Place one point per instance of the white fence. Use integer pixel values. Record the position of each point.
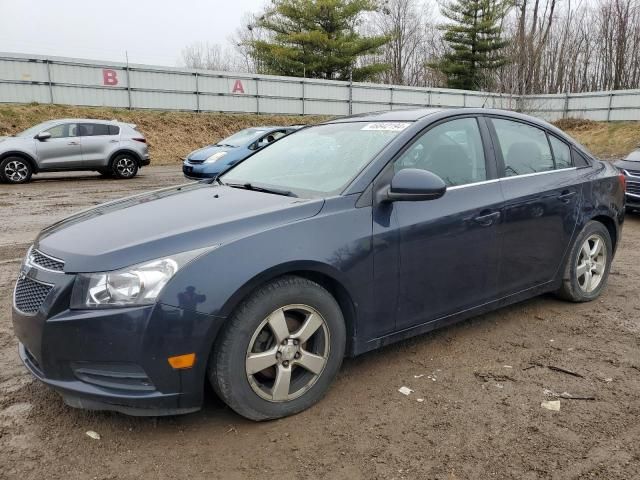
(29, 78)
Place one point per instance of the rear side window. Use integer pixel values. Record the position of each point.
(113, 130)
(95, 129)
(561, 153)
(524, 148)
(579, 160)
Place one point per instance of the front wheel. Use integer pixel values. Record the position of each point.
(588, 265)
(15, 170)
(280, 351)
(124, 166)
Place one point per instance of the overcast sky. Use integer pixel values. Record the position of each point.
(153, 32)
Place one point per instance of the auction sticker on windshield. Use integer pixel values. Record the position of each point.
(386, 126)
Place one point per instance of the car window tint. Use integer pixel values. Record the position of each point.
(561, 153)
(64, 130)
(93, 129)
(271, 137)
(114, 130)
(524, 148)
(452, 150)
(579, 160)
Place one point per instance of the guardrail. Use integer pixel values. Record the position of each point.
(60, 80)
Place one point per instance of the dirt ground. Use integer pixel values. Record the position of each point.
(481, 383)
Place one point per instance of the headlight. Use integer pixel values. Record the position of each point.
(215, 157)
(136, 285)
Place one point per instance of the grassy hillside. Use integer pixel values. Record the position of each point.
(172, 135)
(604, 139)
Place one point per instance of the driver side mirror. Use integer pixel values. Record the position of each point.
(412, 184)
(42, 136)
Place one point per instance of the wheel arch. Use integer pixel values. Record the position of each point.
(610, 224)
(120, 151)
(23, 155)
(324, 275)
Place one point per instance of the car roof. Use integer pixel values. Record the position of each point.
(86, 120)
(406, 115)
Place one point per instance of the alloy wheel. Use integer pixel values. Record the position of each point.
(16, 171)
(125, 167)
(287, 353)
(592, 261)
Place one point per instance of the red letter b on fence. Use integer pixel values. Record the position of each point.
(109, 77)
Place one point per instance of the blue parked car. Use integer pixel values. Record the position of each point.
(212, 160)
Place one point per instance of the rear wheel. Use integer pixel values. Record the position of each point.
(124, 166)
(280, 351)
(15, 170)
(588, 265)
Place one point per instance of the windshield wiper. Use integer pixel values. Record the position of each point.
(255, 188)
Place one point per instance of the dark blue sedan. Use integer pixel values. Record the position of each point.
(334, 241)
(210, 161)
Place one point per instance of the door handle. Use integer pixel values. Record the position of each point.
(566, 195)
(113, 141)
(487, 219)
(73, 143)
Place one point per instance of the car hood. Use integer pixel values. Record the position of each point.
(14, 140)
(628, 164)
(164, 222)
(206, 152)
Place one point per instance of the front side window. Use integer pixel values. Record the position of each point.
(452, 150)
(524, 148)
(271, 137)
(243, 137)
(316, 161)
(561, 153)
(64, 130)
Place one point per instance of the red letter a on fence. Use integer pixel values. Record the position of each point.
(237, 87)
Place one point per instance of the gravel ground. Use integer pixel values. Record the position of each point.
(481, 383)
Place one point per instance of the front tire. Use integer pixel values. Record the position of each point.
(280, 350)
(15, 170)
(124, 166)
(588, 264)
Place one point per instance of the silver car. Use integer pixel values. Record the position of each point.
(109, 147)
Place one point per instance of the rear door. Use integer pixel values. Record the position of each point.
(538, 181)
(62, 150)
(98, 141)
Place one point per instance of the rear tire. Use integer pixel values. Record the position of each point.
(15, 170)
(280, 351)
(124, 166)
(588, 264)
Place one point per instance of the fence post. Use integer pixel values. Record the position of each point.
(464, 100)
(428, 98)
(48, 62)
(303, 95)
(391, 98)
(609, 107)
(197, 93)
(257, 79)
(565, 111)
(350, 95)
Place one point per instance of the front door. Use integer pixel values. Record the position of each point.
(448, 252)
(541, 203)
(62, 150)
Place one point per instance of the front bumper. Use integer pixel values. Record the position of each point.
(115, 359)
(199, 171)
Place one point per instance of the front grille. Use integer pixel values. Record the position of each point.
(38, 259)
(29, 295)
(633, 187)
(196, 161)
(635, 173)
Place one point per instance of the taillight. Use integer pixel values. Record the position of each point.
(623, 181)
(141, 140)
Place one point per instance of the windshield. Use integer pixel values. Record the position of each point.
(316, 161)
(242, 137)
(33, 131)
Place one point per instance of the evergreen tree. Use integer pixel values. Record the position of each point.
(475, 42)
(317, 39)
